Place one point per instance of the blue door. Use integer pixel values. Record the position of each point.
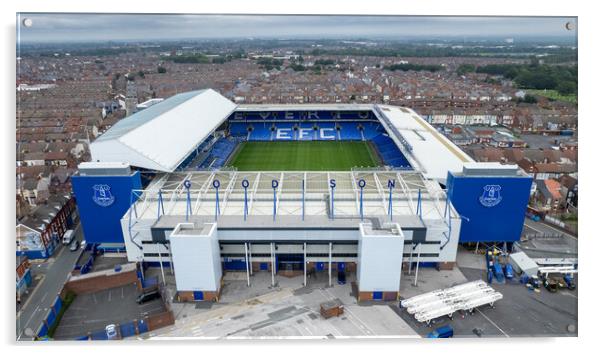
(377, 295)
(263, 266)
(341, 266)
(198, 295)
(320, 266)
(142, 326)
(235, 265)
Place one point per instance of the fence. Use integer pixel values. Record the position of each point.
(561, 224)
(123, 330)
(51, 318)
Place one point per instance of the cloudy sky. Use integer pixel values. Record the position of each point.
(92, 27)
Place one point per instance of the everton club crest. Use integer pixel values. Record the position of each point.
(491, 195)
(102, 195)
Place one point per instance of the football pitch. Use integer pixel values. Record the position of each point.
(304, 156)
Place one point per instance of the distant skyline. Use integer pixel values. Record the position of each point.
(64, 27)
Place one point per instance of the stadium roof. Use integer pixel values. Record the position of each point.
(298, 194)
(161, 136)
(431, 152)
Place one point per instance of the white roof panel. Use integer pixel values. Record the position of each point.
(163, 135)
(435, 154)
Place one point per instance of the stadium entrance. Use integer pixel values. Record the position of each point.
(289, 264)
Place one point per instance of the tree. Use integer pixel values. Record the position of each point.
(528, 99)
(567, 88)
(141, 73)
(161, 70)
(465, 68)
(297, 67)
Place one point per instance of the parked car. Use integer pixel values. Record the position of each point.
(551, 284)
(341, 278)
(111, 331)
(68, 237)
(148, 296)
(570, 282)
(442, 332)
(74, 246)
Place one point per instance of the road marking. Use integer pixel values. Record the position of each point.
(353, 317)
(31, 295)
(30, 317)
(532, 228)
(568, 294)
(493, 323)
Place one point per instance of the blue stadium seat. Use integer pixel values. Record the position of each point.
(371, 130)
(389, 151)
(261, 132)
(349, 131)
(327, 131)
(239, 129)
(285, 131)
(219, 154)
(306, 131)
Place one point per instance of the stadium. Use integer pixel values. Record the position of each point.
(205, 186)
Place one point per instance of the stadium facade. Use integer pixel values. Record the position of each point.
(160, 186)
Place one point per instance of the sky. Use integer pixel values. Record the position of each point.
(94, 27)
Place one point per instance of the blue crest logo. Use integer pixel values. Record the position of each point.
(491, 195)
(102, 195)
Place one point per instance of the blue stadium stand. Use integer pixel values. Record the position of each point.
(389, 151)
(371, 130)
(239, 129)
(310, 134)
(219, 153)
(332, 132)
(261, 132)
(349, 131)
(291, 133)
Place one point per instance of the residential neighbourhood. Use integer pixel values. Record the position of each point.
(278, 186)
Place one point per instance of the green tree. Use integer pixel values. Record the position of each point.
(567, 88)
(463, 69)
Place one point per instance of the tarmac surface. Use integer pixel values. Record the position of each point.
(290, 310)
(287, 310)
(93, 312)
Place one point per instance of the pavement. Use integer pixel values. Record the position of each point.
(41, 298)
(288, 310)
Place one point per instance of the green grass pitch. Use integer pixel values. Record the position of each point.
(303, 156)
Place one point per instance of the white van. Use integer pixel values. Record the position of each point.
(68, 237)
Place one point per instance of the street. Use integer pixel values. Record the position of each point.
(42, 297)
(537, 227)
